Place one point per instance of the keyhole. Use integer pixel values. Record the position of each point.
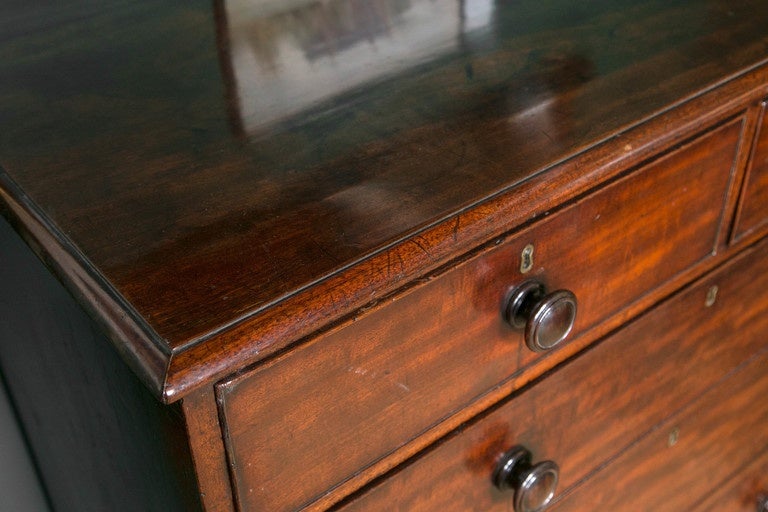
(711, 296)
(526, 259)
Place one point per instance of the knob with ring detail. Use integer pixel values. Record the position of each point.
(546, 318)
(534, 485)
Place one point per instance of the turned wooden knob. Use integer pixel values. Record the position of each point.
(546, 318)
(534, 485)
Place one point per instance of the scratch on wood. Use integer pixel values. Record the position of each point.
(372, 374)
(402, 263)
(420, 246)
(324, 250)
(456, 229)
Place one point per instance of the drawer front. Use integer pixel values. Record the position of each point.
(598, 405)
(305, 422)
(753, 207)
(683, 460)
(743, 491)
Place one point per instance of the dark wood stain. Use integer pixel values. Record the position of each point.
(369, 381)
(296, 222)
(124, 138)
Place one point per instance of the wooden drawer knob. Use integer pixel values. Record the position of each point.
(762, 503)
(534, 485)
(546, 318)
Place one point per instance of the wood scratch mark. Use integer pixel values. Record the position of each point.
(456, 229)
(372, 374)
(547, 136)
(402, 263)
(420, 246)
(324, 251)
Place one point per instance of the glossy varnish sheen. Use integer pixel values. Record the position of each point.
(388, 377)
(301, 220)
(124, 129)
(603, 410)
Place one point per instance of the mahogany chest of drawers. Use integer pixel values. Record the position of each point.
(380, 255)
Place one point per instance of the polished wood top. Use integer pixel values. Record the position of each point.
(217, 181)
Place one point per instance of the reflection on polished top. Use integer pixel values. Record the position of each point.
(288, 57)
(207, 163)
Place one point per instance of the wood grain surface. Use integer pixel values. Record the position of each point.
(386, 378)
(126, 130)
(204, 431)
(596, 406)
(685, 457)
(742, 490)
(753, 213)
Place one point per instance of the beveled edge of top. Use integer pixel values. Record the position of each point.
(146, 353)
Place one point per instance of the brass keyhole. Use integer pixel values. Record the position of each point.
(526, 259)
(674, 437)
(711, 296)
